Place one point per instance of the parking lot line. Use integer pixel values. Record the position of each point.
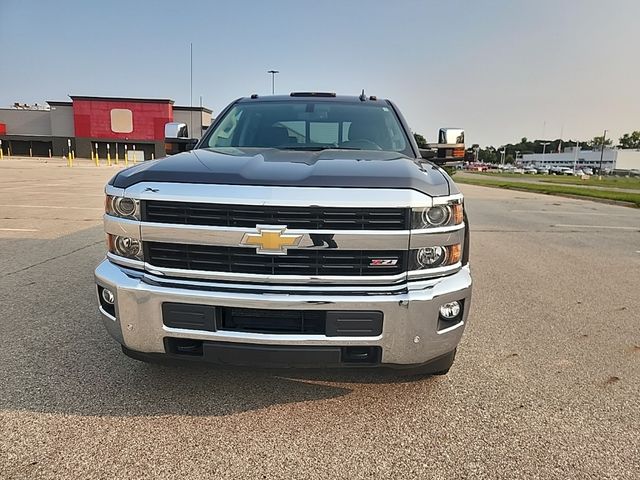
(595, 226)
(18, 230)
(52, 206)
(555, 212)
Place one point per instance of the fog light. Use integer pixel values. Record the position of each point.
(108, 296)
(450, 310)
(430, 257)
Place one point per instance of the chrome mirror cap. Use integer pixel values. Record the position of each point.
(451, 136)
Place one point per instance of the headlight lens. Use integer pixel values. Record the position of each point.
(125, 247)
(123, 207)
(436, 216)
(437, 256)
(445, 215)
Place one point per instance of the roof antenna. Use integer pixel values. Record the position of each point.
(362, 96)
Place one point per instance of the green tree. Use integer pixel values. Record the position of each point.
(631, 140)
(420, 140)
(596, 143)
(487, 155)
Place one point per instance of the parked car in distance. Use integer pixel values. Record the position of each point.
(542, 171)
(587, 171)
(530, 169)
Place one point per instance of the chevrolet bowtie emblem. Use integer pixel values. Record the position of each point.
(271, 240)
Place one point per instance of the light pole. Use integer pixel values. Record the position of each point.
(604, 138)
(544, 149)
(544, 146)
(273, 76)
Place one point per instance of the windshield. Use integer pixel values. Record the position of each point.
(310, 125)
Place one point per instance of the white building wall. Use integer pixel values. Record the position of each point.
(628, 160)
(588, 158)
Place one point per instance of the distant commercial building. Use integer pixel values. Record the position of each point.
(612, 159)
(86, 123)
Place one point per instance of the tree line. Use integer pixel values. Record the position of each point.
(491, 154)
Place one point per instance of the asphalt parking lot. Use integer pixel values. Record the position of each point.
(545, 385)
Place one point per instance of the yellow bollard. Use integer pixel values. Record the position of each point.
(117, 162)
(108, 158)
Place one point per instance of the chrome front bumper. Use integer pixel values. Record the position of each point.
(410, 334)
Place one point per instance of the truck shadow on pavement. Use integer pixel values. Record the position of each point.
(57, 357)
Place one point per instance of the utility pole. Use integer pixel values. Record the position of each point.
(604, 138)
(191, 94)
(273, 76)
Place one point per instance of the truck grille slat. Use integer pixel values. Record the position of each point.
(310, 218)
(296, 262)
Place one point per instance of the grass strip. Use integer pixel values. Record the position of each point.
(554, 189)
(631, 183)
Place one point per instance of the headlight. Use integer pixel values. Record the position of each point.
(125, 247)
(436, 216)
(434, 257)
(123, 207)
(445, 215)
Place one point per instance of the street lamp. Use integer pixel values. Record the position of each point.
(273, 76)
(544, 146)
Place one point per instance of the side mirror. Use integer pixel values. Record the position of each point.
(176, 130)
(176, 138)
(451, 136)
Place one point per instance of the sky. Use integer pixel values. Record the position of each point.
(502, 69)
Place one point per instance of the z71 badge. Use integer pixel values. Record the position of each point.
(383, 262)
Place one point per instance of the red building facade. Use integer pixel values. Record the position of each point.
(93, 118)
(118, 121)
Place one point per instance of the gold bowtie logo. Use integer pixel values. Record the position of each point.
(271, 240)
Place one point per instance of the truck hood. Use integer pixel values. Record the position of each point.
(273, 167)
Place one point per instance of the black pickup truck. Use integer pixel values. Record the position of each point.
(303, 230)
